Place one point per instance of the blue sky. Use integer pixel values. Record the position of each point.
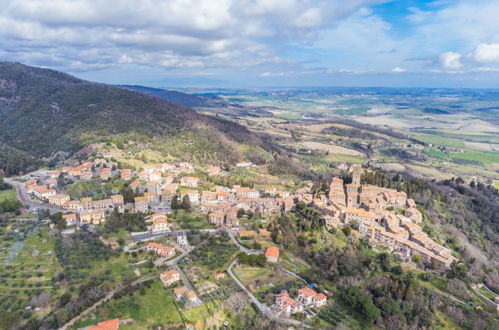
(258, 43)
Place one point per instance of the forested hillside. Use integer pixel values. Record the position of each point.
(52, 115)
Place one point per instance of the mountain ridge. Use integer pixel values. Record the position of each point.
(46, 112)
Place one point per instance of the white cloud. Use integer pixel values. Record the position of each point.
(486, 53)
(451, 60)
(398, 69)
(167, 33)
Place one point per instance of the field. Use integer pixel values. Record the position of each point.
(7, 195)
(453, 134)
(27, 265)
(154, 306)
(258, 279)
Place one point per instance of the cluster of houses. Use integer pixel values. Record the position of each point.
(182, 294)
(373, 210)
(307, 297)
(156, 186)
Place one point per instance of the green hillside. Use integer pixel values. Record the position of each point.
(53, 115)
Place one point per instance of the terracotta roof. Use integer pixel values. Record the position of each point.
(307, 292)
(272, 251)
(107, 325)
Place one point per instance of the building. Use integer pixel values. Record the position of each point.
(58, 199)
(160, 225)
(319, 300)
(306, 294)
(126, 174)
(92, 216)
(244, 192)
(193, 195)
(141, 204)
(287, 304)
(86, 203)
(216, 218)
(105, 173)
(212, 171)
(113, 324)
(189, 181)
(70, 219)
(179, 293)
(163, 251)
(272, 254)
(219, 276)
(182, 238)
(169, 277)
(73, 205)
(246, 233)
(42, 192)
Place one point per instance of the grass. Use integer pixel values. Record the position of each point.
(155, 307)
(496, 184)
(487, 293)
(480, 156)
(7, 195)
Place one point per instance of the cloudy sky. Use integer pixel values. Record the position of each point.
(252, 43)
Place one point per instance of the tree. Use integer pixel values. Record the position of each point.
(186, 203)
(175, 202)
(240, 213)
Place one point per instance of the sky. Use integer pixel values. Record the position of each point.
(258, 43)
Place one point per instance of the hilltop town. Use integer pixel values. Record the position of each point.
(237, 219)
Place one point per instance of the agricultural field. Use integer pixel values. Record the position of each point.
(148, 306)
(433, 133)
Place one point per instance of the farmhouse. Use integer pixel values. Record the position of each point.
(169, 277)
(272, 254)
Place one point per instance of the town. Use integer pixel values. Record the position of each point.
(384, 217)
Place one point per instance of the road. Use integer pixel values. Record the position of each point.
(22, 196)
(241, 247)
(139, 237)
(262, 308)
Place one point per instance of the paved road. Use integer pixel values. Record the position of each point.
(241, 247)
(149, 236)
(264, 309)
(22, 196)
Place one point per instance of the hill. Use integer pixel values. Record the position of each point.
(51, 115)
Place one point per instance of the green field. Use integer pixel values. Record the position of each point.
(153, 308)
(7, 195)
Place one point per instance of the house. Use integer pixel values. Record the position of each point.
(153, 187)
(86, 203)
(42, 192)
(306, 294)
(272, 254)
(135, 184)
(212, 171)
(159, 216)
(319, 300)
(169, 277)
(159, 225)
(72, 205)
(51, 183)
(141, 204)
(179, 293)
(70, 219)
(113, 324)
(105, 173)
(219, 276)
(244, 192)
(189, 181)
(58, 199)
(117, 199)
(287, 304)
(85, 175)
(92, 216)
(182, 238)
(126, 174)
(222, 196)
(271, 191)
(164, 251)
(216, 218)
(193, 195)
(246, 233)
(192, 297)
